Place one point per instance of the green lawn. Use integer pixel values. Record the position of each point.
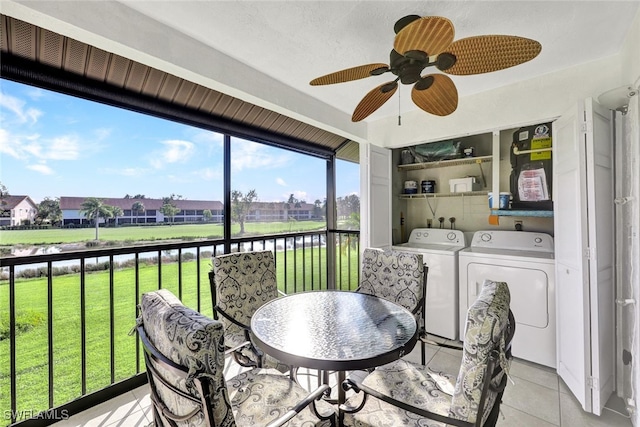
(141, 233)
(300, 273)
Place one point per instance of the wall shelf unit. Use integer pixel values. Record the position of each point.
(524, 213)
(444, 163)
(437, 195)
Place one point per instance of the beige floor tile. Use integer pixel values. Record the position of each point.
(415, 355)
(538, 374)
(533, 399)
(445, 362)
(105, 413)
(562, 386)
(511, 417)
(573, 415)
(137, 419)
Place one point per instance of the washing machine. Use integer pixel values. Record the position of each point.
(439, 248)
(525, 261)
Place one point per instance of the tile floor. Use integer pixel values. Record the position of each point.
(536, 398)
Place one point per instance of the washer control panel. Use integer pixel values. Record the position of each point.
(425, 236)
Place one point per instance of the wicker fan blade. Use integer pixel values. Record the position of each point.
(430, 34)
(441, 98)
(372, 101)
(349, 74)
(484, 54)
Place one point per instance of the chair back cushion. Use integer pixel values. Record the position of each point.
(487, 320)
(395, 276)
(193, 341)
(243, 283)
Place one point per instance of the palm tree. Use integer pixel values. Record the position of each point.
(137, 208)
(94, 208)
(116, 211)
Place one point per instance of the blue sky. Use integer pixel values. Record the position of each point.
(53, 145)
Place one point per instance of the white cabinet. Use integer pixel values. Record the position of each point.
(584, 246)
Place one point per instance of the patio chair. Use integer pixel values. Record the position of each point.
(184, 356)
(240, 284)
(407, 394)
(399, 277)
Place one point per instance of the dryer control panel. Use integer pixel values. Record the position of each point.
(513, 240)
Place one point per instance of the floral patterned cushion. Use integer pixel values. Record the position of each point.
(395, 276)
(440, 392)
(190, 339)
(262, 395)
(411, 383)
(487, 319)
(243, 283)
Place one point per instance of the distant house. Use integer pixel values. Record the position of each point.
(279, 211)
(17, 210)
(190, 210)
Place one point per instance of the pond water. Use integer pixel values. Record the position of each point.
(278, 245)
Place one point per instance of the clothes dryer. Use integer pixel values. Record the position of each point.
(439, 249)
(525, 261)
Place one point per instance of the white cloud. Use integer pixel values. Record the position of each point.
(301, 195)
(25, 147)
(298, 194)
(102, 133)
(8, 145)
(41, 168)
(62, 148)
(281, 181)
(174, 151)
(17, 107)
(36, 93)
(209, 174)
(251, 155)
(125, 171)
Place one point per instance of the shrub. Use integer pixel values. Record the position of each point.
(25, 321)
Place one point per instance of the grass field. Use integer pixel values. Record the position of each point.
(31, 307)
(148, 233)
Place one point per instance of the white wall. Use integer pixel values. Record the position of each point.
(629, 274)
(531, 101)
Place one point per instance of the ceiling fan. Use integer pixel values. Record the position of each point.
(423, 42)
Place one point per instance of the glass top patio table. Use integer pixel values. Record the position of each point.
(334, 330)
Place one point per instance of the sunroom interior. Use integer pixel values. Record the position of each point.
(136, 60)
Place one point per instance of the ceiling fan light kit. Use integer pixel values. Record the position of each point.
(423, 42)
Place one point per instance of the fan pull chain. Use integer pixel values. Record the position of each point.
(399, 119)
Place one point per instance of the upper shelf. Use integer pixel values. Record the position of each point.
(530, 213)
(442, 163)
(436, 195)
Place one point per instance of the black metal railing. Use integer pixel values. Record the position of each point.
(64, 317)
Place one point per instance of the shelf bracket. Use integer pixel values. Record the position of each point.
(484, 181)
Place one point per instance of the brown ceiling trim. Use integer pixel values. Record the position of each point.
(45, 47)
(36, 74)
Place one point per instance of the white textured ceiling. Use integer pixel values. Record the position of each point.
(296, 41)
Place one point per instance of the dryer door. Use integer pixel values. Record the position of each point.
(531, 291)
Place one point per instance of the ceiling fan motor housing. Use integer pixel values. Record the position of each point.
(408, 67)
